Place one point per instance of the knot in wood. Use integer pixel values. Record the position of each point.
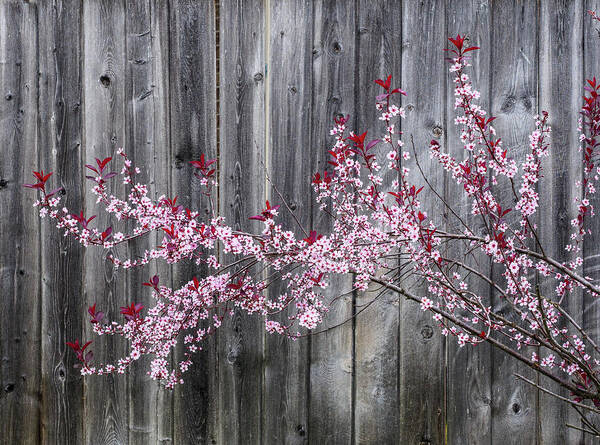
(105, 80)
(427, 332)
(336, 47)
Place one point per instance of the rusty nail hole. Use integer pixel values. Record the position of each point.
(437, 131)
(105, 81)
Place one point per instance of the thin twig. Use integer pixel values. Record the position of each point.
(564, 399)
(595, 434)
(431, 187)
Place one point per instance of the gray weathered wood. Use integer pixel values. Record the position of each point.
(421, 351)
(104, 74)
(80, 79)
(61, 151)
(376, 327)
(20, 265)
(560, 91)
(514, 102)
(469, 386)
(242, 194)
(590, 68)
(146, 142)
(193, 132)
(161, 168)
(331, 353)
(289, 78)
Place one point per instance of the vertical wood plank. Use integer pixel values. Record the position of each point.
(241, 194)
(591, 248)
(60, 135)
(160, 169)
(514, 101)
(193, 132)
(469, 386)
(20, 265)
(560, 91)
(376, 328)
(285, 412)
(104, 74)
(331, 353)
(147, 145)
(421, 350)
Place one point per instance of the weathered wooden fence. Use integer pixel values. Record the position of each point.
(257, 83)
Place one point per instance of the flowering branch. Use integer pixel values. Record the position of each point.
(373, 226)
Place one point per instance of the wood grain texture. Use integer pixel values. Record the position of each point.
(591, 249)
(376, 326)
(105, 130)
(146, 143)
(61, 151)
(193, 132)
(469, 385)
(159, 170)
(560, 91)
(80, 79)
(20, 266)
(244, 72)
(286, 372)
(421, 351)
(514, 101)
(331, 353)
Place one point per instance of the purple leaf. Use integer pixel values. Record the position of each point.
(54, 192)
(372, 144)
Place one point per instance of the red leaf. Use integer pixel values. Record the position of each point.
(457, 41)
(74, 346)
